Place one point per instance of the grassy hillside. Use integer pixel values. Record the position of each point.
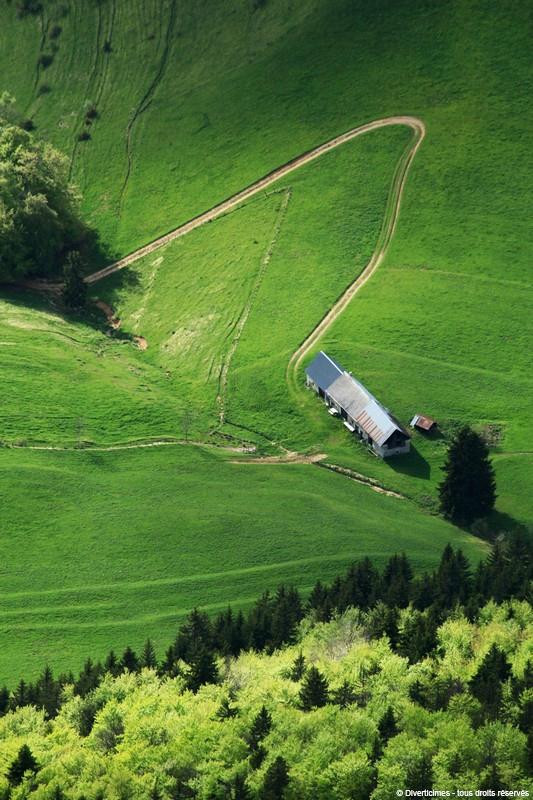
(101, 549)
(191, 105)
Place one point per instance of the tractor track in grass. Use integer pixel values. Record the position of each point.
(213, 213)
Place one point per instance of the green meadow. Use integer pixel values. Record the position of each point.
(101, 548)
(128, 542)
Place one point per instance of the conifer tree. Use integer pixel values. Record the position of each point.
(24, 762)
(148, 656)
(276, 780)
(203, 669)
(129, 661)
(298, 667)
(75, 288)
(111, 664)
(195, 633)
(314, 690)
(468, 491)
(486, 684)
(169, 666)
(47, 692)
(239, 790)
(225, 710)
(387, 726)
(344, 696)
(260, 728)
(4, 700)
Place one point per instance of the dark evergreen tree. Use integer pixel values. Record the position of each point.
(286, 614)
(317, 601)
(20, 695)
(417, 693)
(298, 667)
(418, 637)
(397, 578)
(239, 789)
(112, 665)
(260, 728)
(87, 717)
(4, 700)
(203, 669)
(468, 491)
(148, 656)
(195, 633)
(486, 684)
(88, 678)
(276, 780)
(47, 692)
(260, 623)
(74, 288)
(423, 592)
(387, 726)
(226, 710)
(314, 690)
(383, 621)
(24, 762)
(169, 665)
(344, 696)
(129, 661)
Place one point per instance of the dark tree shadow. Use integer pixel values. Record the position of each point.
(45, 295)
(412, 463)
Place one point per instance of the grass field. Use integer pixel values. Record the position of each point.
(193, 104)
(104, 549)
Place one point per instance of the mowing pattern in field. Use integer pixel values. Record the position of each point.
(128, 542)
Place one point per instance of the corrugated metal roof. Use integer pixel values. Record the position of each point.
(323, 370)
(354, 398)
(348, 394)
(421, 421)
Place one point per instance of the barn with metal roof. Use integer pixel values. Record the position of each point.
(362, 414)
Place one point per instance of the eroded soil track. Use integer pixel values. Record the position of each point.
(263, 183)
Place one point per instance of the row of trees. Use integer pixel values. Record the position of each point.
(381, 597)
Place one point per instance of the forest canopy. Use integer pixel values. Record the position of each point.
(40, 220)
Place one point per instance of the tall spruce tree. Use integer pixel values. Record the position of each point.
(486, 684)
(75, 288)
(203, 669)
(24, 762)
(314, 691)
(468, 491)
(276, 780)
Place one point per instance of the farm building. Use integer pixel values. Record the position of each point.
(423, 423)
(361, 412)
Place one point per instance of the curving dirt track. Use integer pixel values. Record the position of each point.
(388, 227)
(222, 208)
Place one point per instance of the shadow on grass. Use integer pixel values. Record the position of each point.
(498, 523)
(412, 463)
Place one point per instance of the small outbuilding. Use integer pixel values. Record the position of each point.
(423, 423)
(359, 410)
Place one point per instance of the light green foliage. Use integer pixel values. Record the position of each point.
(38, 208)
(102, 571)
(148, 729)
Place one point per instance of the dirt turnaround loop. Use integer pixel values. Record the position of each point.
(412, 122)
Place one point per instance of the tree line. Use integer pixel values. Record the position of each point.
(272, 622)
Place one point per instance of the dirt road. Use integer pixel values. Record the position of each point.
(263, 183)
